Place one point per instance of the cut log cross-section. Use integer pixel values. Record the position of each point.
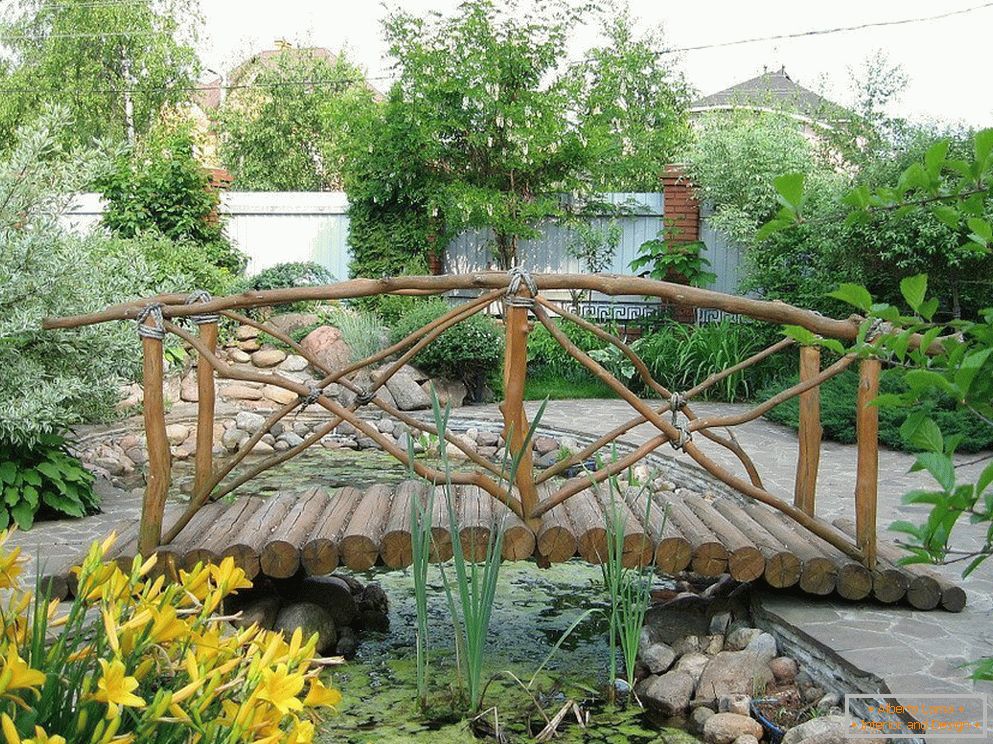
(397, 545)
(518, 539)
(782, 568)
(556, 536)
(673, 552)
(360, 543)
(213, 544)
(710, 557)
(321, 551)
(475, 522)
(441, 536)
(281, 554)
(591, 526)
(745, 561)
(818, 574)
(638, 549)
(255, 531)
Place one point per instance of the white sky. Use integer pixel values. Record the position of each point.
(946, 60)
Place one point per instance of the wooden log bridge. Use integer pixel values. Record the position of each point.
(315, 532)
(777, 538)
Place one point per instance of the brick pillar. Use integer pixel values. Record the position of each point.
(681, 219)
(218, 179)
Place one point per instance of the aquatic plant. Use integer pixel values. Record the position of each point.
(133, 658)
(420, 538)
(629, 589)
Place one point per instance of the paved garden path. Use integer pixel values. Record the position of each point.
(907, 650)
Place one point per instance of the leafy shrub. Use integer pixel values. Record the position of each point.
(286, 276)
(838, 398)
(161, 186)
(680, 356)
(546, 358)
(360, 329)
(469, 351)
(134, 659)
(44, 477)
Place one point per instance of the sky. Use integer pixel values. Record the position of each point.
(946, 60)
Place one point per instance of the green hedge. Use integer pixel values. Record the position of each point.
(838, 396)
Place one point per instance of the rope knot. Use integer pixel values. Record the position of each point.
(201, 295)
(520, 276)
(876, 329)
(313, 396)
(364, 397)
(685, 437)
(151, 311)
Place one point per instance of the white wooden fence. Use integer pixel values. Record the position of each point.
(274, 227)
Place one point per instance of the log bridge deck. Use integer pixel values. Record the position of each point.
(317, 531)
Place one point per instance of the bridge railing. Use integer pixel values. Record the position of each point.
(674, 420)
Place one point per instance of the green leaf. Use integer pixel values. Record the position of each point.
(789, 190)
(47, 468)
(935, 156)
(947, 215)
(967, 371)
(982, 231)
(923, 433)
(63, 503)
(30, 476)
(927, 310)
(853, 294)
(800, 334)
(939, 466)
(983, 146)
(23, 514)
(31, 495)
(4, 518)
(985, 478)
(913, 289)
(8, 472)
(11, 495)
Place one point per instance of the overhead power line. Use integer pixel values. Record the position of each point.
(827, 31)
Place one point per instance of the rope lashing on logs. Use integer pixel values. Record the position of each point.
(156, 330)
(364, 397)
(677, 402)
(518, 276)
(312, 397)
(201, 295)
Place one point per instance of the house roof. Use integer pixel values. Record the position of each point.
(771, 90)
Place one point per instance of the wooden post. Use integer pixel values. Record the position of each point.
(159, 459)
(810, 432)
(205, 412)
(867, 472)
(515, 423)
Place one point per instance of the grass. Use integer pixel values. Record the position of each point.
(550, 387)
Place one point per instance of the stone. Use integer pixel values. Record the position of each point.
(487, 438)
(262, 448)
(544, 445)
(724, 728)
(268, 357)
(280, 446)
(248, 421)
(812, 694)
(821, 730)
(374, 621)
(137, 455)
(719, 623)
(658, 657)
(669, 694)
(177, 433)
(680, 617)
(712, 645)
(803, 679)
(746, 739)
(188, 389)
(238, 356)
(348, 643)
(233, 438)
(279, 394)
(290, 438)
(246, 332)
(699, 717)
(385, 425)
(330, 592)
(784, 669)
(250, 346)
(739, 638)
(406, 392)
(736, 703)
(113, 465)
(450, 392)
(310, 618)
(693, 664)
(733, 672)
(547, 460)
(268, 438)
(241, 392)
(289, 322)
(764, 645)
(293, 363)
(686, 645)
(374, 598)
(829, 701)
(327, 346)
(256, 609)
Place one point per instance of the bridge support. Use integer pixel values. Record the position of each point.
(205, 412)
(867, 470)
(809, 435)
(159, 458)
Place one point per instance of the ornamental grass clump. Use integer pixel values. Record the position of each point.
(133, 658)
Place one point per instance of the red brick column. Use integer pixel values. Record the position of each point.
(681, 218)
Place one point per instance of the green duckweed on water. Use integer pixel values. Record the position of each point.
(533, 608)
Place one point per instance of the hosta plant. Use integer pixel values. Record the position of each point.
(133, 658)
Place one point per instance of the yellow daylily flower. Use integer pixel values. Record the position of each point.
(11, 567)
(116, 688)
(280, 688)
(17, 675)
(301, 733)
(228, 577)
(320, 696)
(41, 737)
(10, 734)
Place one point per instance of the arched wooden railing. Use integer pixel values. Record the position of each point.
(521, 294)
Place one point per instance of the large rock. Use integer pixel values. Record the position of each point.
(290, 322)
(693, 664)
(822, 730)
(450, 392)
(406, 392)
(669, 693)
(279, 394)
(657, 656)
(330, 592)
(188, 389)
(256, 609)
(739, 638)
(784, 669)
(682, 616)
(724, 728)
(234, 437)
(733, 673)
(740, 704)
(310, 618)
(764, 646)
(293, 363)
(327, 346)
(177, 433)
(248, 421)
(241, 392)
(246, 332)
(268, 357)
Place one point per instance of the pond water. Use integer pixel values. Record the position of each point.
(533, 608)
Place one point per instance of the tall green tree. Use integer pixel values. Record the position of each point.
(287, 131)
(112, 65)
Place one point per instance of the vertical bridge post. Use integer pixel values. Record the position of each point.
(515, 364)
(809, 456)
(205, 411)
(153, 410)
(867, 470)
